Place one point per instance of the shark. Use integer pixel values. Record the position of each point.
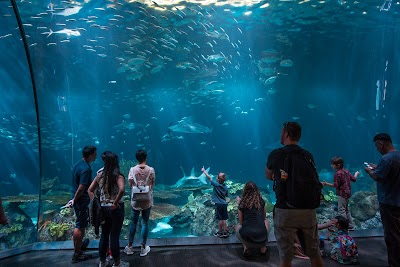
(67, 32)
(186, 125)
(192, 180)
(69, 11)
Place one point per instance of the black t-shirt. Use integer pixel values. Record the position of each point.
(275, 163)
(253, 227)
(82, 174)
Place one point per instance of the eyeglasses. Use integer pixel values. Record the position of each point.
(286, 127)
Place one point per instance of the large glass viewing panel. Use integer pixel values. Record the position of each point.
(19, 173)
(210, 83)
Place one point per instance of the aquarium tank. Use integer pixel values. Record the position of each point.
(195, 83)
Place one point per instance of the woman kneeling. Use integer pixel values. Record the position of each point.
(253, 227)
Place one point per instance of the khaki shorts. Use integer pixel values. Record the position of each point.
(286, 224)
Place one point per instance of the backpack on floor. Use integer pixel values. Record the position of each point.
(347, 247)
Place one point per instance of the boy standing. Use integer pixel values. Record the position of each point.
(220, 192)
(341, 181)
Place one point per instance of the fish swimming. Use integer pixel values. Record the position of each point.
(69, 11)
(67, 32)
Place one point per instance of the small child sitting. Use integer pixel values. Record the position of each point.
(344, 249)
(219, 195)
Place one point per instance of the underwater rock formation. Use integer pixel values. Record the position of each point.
(364, 205)
(373, 223)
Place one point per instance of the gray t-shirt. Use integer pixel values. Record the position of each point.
(388, 182)
(220, 192)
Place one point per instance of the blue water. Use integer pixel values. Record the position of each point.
(322, 61)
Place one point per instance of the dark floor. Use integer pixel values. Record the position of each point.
(372, 252)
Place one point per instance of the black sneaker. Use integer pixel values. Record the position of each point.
(225, 234)
(85, 244)
(218, 234)
(80, 257)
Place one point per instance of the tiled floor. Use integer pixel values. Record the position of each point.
(372, 251)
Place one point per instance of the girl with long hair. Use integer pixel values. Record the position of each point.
(112, 188)
(253, 227)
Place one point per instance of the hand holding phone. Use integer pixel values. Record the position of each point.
(367, 165)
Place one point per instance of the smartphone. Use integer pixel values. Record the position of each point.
(367, 165)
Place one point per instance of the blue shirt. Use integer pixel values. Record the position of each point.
(388, 181)
(82, 174)
(220, 192)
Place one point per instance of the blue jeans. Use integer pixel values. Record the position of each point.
(110, 231)
(145, 226)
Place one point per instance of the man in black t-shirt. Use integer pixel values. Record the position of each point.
(288, 221)
(81, 180)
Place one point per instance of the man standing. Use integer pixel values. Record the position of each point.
(289, 220)
(81, 180)
(387, 177)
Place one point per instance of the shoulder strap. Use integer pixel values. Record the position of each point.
(134, 175)
(147, 178)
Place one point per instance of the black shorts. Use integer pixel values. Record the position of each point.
(221, 211)
(82, 213)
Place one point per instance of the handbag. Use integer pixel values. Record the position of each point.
(141, 192)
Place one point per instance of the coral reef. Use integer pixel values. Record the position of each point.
(21, 198)
(58, 229)
(20, 230)
(9, 229)
(163, 210)
(373, 223)
(189, 212)
(330, 197)
(234, 188)
(165, 195)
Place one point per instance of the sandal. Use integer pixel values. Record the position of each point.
(265, 252)
(246, 253)
(80, 257)
(85, 244)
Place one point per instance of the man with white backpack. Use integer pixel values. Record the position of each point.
(141, 180)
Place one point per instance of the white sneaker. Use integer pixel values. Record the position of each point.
(144, 251)
(121, 264)
(128, 250)
(103, 264)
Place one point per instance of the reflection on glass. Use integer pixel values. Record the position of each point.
(19, 174)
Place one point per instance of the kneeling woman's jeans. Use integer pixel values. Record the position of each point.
(134, 221)
(110, 231)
